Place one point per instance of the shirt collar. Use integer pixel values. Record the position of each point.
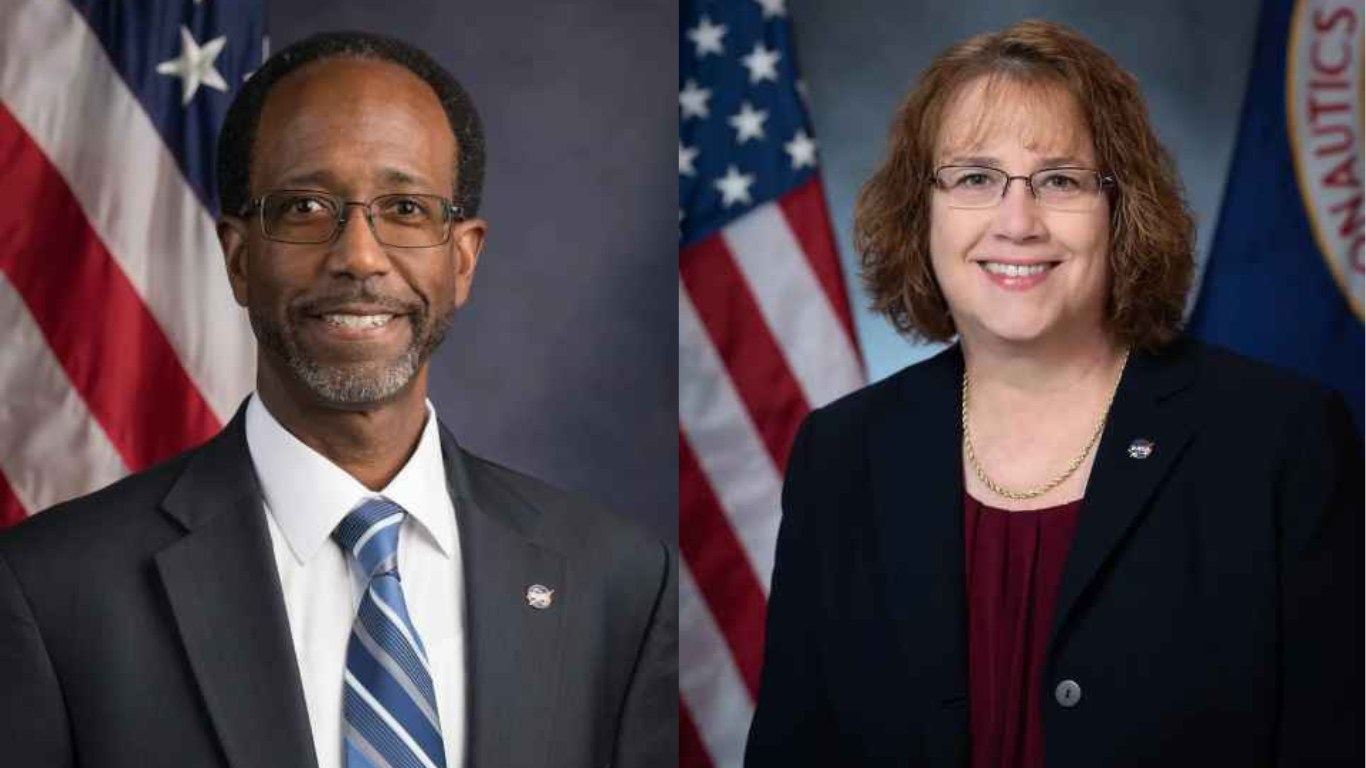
(308, 495)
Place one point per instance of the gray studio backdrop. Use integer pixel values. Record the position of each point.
(565, 362)
(859, 57)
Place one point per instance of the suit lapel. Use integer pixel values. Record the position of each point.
(1121, 485)
(513, 661)
(917, 479)
(224, 592)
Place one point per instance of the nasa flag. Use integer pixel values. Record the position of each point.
(1284, 280)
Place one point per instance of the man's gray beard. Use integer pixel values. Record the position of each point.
(356, 383)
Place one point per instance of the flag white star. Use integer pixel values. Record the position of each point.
(686, 155)
(762, 64)
(195, 65)
(706, 36)
(693, 100)
(773, 8)
(802, 150)
(748, 123)
(734, 187)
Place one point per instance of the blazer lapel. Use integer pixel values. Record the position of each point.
(513, 659)
(224, 591)
(917, 479)
(1121, 484)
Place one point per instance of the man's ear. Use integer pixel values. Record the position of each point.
(468, 240)
(232, 235)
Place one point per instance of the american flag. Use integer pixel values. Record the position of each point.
(764, 335)
(121, 344)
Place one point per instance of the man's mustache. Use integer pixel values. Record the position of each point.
(332, 302)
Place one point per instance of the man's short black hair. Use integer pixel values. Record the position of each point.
(238, 138)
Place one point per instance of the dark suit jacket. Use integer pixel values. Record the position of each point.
(144, 626)
(1210, 608)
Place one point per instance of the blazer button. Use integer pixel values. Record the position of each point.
(1068, 693)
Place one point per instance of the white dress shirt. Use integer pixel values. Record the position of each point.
(306, 496)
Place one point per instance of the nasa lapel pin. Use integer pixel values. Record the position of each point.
(539, 596)
(1141, 448)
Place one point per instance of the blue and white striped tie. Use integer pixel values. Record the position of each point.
(389, 705)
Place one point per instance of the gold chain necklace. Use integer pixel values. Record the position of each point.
(1034, 493)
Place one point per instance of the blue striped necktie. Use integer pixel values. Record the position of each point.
(389, 705)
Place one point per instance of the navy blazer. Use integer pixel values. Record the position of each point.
(1210, 609)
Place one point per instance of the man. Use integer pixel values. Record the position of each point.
(332, 580)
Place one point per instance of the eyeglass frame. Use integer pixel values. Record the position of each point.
(1105, 181)
(453, 213)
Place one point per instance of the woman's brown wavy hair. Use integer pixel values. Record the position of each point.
(1151, 231)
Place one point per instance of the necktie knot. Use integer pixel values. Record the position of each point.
(370, 534)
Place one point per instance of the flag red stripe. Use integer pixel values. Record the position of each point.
(691, 751)
(11, 511)
(806, 214)
(112, 348)
(720, 567)
(744, 342)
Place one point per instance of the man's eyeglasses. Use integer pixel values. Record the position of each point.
(310, 217)
(1061, 189)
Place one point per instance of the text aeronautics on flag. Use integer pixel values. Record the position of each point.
(1285, 275)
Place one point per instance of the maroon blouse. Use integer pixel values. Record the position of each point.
(1014, 563)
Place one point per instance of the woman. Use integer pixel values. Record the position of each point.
(1075, 538)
